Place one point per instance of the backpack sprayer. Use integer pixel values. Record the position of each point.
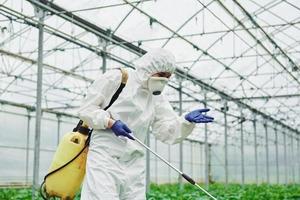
(186, 177)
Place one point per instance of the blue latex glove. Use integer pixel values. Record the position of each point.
(120, 129)
(198, 116)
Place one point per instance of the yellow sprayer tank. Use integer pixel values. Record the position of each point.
(67, 181)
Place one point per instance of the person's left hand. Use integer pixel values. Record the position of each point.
(198, 116)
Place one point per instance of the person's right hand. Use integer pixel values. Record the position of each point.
(120, 129)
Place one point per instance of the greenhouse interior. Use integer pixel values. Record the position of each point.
(240, 59)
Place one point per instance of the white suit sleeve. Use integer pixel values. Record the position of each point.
(167, 126)
(98, 96)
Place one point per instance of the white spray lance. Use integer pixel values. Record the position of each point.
(186, 177)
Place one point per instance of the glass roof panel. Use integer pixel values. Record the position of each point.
(208, 43)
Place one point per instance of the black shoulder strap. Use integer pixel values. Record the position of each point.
(86, 130)
(118, 92)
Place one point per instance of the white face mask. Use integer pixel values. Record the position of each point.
(157, 84)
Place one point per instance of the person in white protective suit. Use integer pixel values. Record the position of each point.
(116, 165)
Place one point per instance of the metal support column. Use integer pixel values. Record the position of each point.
(267, 152)
(242, 150)
(276, 154)
(148, 163)
(292, 161)
(202, 161)
(156, 163)
(181, 143)
(225, 109)
(58, 128)
(206, 147)
(40, 14)
(255, 150)
(104, 57)
(192, 163)
(209, 163)
(298, 156)
(27, 145)
(169, 159)
(285, 159)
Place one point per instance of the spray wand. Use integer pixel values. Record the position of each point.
(186, 177)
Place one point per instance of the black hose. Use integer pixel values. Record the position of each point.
(41, 190)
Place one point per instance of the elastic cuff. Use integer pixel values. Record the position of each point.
(184, 121)
(106, 120)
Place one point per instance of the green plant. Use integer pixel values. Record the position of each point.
(189, 192)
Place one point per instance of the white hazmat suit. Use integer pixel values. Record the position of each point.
(116, 166)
